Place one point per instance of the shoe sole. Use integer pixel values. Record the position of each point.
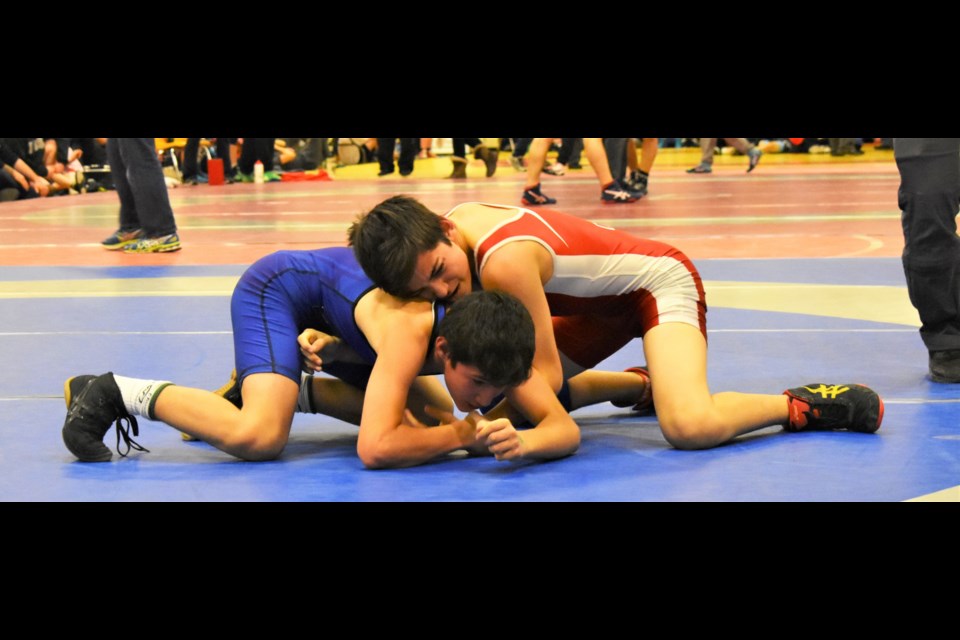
(120, 245)
(943, 379)
(166, 249)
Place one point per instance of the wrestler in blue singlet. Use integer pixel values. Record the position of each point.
(286, 292)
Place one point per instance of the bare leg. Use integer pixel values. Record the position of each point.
(258, 431)
(690, 417)
(707, 145)
(740, 144)
(536, 158)
(426, 148)
(648, 153)
(588, 387)
(597, 155)
(337, 399)
(593, 387)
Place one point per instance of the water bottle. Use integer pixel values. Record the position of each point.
(258, 172)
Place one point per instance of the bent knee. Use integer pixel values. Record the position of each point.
(691, 430)
(258, 442)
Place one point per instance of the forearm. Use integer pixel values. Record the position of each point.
(16, 175)
(27, 172)
(555, 434)
(552, 438)
(406, 446)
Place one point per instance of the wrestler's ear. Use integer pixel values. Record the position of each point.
(448, 226)
(441, 349)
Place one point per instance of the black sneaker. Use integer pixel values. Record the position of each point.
(534, 196)
(231, 391)
(825, 407)
(614, 193)
(945, 365)
(637, 183)
(93, 405)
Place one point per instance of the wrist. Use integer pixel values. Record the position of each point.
(466, 433)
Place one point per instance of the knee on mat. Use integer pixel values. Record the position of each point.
(258, 442)
(689, 430)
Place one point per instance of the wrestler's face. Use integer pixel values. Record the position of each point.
(442, 273)
(466, 384)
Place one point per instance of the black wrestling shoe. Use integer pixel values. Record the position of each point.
(945, 365)
(839, 406)
(94, 403)
(231, 391)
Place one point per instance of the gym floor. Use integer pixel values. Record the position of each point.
(800, 260)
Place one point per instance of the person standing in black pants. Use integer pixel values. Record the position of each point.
(929, 200)
(409, 147)
(146, 218)
(254, 149)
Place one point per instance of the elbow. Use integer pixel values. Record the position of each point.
(376, 456)
(564, 443)
(572, 436)
(574, 444)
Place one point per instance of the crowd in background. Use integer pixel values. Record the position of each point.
(43, 167)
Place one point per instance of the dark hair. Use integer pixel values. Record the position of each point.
(492, 331)
(389, 238)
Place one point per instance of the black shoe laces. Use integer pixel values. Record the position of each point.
(124, 432)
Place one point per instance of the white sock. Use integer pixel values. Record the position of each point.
(305, 400)
(139, 395)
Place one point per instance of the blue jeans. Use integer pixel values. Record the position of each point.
(138, 178)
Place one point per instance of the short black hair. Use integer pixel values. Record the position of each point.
(492, 331)
(389, 239)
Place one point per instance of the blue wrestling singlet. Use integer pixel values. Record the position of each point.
(286, 292)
